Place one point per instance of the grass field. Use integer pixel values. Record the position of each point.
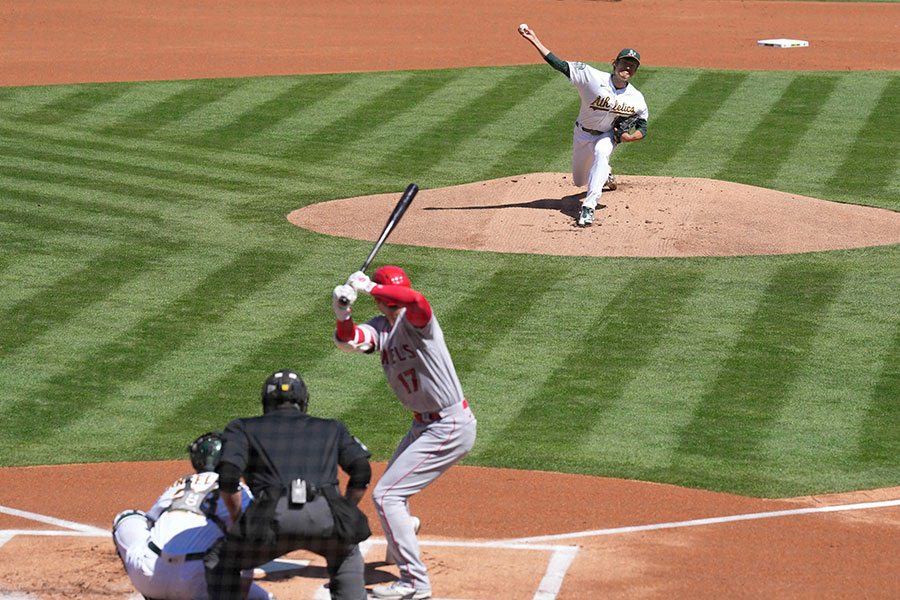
(151, 280)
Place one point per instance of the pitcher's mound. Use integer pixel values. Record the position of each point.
(645, 216)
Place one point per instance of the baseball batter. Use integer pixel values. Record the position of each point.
(163, 549)
(419, 370)
(605, 99)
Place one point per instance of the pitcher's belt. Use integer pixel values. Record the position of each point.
(591, 131)
(437, 416)
(175, 557)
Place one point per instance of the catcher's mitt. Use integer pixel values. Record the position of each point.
(624, 125)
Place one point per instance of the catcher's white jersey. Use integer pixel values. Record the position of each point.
(601, 102)
(184, 532)
(171, 567)
(417, 363)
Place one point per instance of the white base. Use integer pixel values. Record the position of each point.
(279, 566)
(783, 43)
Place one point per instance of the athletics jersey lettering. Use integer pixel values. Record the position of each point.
(603, 103)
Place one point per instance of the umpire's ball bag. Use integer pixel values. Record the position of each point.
(351, 525)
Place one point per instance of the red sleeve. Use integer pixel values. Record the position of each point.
(345, 330)
(418, 311)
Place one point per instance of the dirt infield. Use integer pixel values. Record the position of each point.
(503, 534)
(564, 537)
(68, 41)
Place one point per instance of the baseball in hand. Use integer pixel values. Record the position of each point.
(523, 27)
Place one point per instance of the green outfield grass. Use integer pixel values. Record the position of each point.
(151, 281)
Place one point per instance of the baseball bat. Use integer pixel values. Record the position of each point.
(397, 214)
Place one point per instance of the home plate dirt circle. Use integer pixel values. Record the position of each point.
(645, 217)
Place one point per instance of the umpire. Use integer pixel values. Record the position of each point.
(289, 460)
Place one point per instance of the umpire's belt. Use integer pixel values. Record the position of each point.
(591, 131)
(175, 558)
(437, 416)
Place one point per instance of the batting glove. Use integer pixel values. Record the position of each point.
(360, 282)
(341, 294)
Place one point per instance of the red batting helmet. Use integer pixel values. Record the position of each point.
(391, 275)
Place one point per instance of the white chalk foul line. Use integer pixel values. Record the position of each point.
(708, 521)
(54, 521)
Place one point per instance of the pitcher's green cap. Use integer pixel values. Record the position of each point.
(629, 53)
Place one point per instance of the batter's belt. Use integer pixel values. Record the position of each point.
(437, 416)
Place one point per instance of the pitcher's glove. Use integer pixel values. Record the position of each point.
(624, 125)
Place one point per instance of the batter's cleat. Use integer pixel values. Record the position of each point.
(586, 217)
(401, 590)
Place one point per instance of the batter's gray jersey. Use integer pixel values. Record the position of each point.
(417, 363)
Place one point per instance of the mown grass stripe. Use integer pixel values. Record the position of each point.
(708, 149)
(327, 114)
(640, 431)
(50, 306)
(503, 133)
(79, 216)
(92, 379)
(334, 141)
(79, 99)
(234, 388)
(834, 379)
(872, 158)
(173, 272)
(502, 310)
(547, 147)
(662, 87)
(407, 122)
(113, 165)
(33, 260)
(137, 98)
(762, 151)
(206, 385)
(824, 139)
(41, 215)
(732, 421)
(467, 120)
(600, 365)
(272, 111)
(878, 435)
(251, 168)
(174, 108)
(89, 182)
(669, 130)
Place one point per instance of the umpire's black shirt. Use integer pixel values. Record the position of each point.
(285, 444)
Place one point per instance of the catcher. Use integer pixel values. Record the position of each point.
(612, 111)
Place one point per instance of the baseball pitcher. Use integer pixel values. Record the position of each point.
(610, 108)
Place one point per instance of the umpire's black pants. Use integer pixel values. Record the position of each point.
(308, 528)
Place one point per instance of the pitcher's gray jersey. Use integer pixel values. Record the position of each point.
(417, 363)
